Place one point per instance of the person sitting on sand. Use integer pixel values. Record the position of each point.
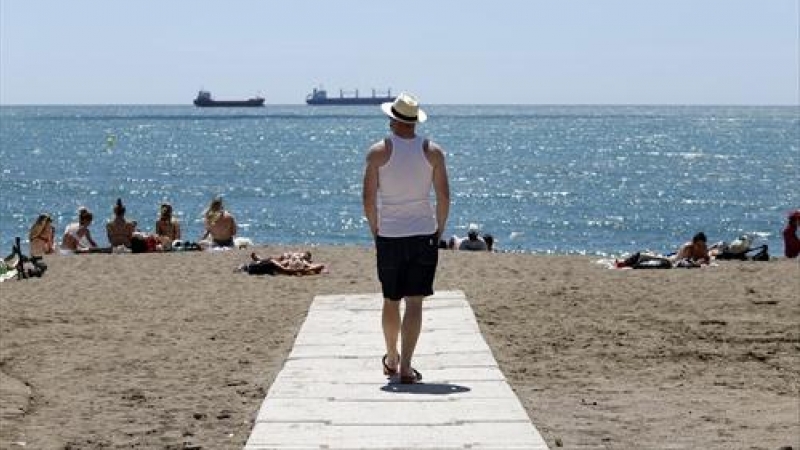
(118, 229)
(42, 236)
(473, 241)
(220, 225)
(695, 251)
(296, 263)
(77, 237)
(167, 227)
(489, 240)
(791, 243)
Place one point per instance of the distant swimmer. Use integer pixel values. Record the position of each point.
(111, 142)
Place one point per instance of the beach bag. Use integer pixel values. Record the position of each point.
(739, 245)
(762, 254)
(737, 249)
(152, 243)
(138, 244)
(144, 244)
(26, 266)
(39, 266)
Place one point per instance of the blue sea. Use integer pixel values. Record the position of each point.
(598, 180)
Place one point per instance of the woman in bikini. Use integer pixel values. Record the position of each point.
(77, 237)
(220, 225)
(119, 230)
(167, 228)
(42, 236)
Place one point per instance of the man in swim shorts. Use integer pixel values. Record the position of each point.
(400, 171)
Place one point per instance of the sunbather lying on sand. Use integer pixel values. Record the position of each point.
(691, 254)
(297, 263)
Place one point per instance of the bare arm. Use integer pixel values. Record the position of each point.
(109, 232)
(375, 158)
(441, 185)
(233, 228)
(89, 238)
(206, 229)
(68, 241)
(51, 239)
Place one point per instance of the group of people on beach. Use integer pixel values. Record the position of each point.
(406, 225)
(474, 241)
(697, 252)
(124, 235)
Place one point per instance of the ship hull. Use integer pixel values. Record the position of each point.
(253, 102)
(348, 101)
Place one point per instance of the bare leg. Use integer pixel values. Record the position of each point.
(390, 320)
(412, 325)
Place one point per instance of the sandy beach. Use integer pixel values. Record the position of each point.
(176, 351)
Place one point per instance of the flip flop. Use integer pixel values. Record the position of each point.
(411, 379)
(388, 371)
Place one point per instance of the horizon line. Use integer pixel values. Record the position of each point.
(426, 104)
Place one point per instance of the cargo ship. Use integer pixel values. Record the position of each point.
(204, 99)
(320, 96)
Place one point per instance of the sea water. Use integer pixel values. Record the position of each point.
(597, 180)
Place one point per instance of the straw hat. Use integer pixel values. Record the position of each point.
(405, 108)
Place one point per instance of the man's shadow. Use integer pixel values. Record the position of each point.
(425, 388)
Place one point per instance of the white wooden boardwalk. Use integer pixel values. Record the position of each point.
(332, 394)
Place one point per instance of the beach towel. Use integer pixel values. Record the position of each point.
(242, 242)
(653, 264)
(6, 272)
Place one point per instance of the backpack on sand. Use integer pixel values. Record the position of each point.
(737, 249)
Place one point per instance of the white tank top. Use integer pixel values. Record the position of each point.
(404, 188)
(83, 241)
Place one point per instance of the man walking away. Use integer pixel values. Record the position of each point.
(400, 171)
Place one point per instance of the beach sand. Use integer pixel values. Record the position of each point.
(176, 351)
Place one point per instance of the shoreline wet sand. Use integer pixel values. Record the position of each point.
(175, 351)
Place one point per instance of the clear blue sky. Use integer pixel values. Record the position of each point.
(445, 51)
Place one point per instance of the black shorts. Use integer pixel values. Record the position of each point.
(407, 265)
(223, 242)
